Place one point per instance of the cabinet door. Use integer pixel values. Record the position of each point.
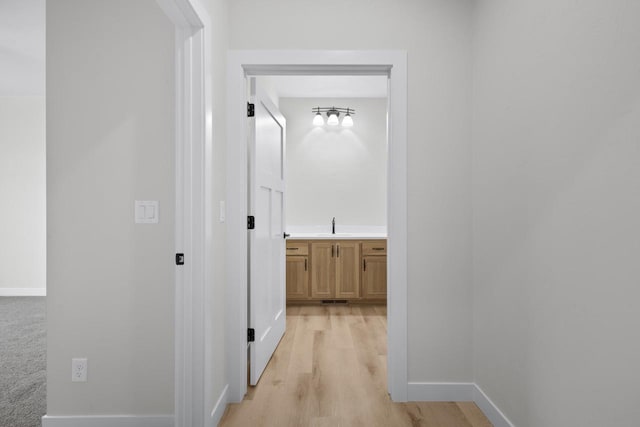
(323, 270)
(297, 277)
(347, 270)
(374, 277)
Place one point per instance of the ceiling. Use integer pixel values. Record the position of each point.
(22, 47)
(330, 86)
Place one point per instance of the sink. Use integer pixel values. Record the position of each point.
(334, 235)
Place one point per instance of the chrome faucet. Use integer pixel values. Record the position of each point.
(333, 225)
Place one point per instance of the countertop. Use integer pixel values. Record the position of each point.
(337, 236)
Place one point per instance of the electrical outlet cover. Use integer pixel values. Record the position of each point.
(79, 370)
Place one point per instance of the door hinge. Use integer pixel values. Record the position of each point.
(251, 109)
(251, 335)
(251, 222)
(179, 259)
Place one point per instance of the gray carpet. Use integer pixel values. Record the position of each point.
(22, 361)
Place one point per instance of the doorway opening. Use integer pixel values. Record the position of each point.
(392, 65)
(333, 217)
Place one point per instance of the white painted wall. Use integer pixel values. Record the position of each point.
(217, 48)
(556, 210)
(335, 171)
(269, 86)
(22, 43)
(437, 37)
(22, 196)
(110, 79)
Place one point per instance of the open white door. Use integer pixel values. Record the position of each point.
(266, 242)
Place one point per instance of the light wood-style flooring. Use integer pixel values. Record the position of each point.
(330, 370)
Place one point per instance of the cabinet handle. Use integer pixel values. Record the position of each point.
(338, 251)
(364, 265)
(331, 251)
(292, 249)
(305, 264)
(378, 249)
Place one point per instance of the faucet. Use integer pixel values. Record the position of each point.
(333, 225)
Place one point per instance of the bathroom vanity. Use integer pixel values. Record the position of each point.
(336, 267)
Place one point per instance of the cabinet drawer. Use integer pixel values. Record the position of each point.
(297, 248)
(374, 247)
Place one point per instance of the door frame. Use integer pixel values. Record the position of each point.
(193, 218)
(243, 63)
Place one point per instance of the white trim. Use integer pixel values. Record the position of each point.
(441, 392)
(490, 410)
(108, 421)
(458, 392)
(218, 409)
(310, 62)
(193, 218)
(23, 292)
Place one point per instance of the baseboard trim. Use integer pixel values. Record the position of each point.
(108, 421)
(23, 292)
(490, 410)
(218, 409)
(440, 392)
(458, 392)
(417, 392)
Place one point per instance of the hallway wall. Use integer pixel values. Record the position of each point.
(110, 110)
(216, 289)
(556, 210)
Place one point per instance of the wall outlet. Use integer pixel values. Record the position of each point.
(79, 370)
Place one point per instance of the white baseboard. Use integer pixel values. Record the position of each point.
(417, 392)
(218, 409)
(108, 421)
(440, 392)
(23, 292)
(458, 392)
(490, 410)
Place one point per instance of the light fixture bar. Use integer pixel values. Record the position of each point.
(333, 114)
(338, 109)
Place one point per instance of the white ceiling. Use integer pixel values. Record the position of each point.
(22, 47)
(330, 86)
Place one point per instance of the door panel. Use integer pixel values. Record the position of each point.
(348, 270)
(374, 277)
(266, 242)
(323, 270)
(297, 277)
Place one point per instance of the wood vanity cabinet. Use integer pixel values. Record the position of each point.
(336, 270)
(297, 270)
(374, 270)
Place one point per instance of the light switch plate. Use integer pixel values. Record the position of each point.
(146, 211)
(223, 211)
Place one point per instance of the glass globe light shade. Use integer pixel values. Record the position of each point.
(333, 119)
(347, 121)
(318, 120)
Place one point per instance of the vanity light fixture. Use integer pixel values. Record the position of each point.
(333, 114)
(347, 122)
(318, 120)
(333, 117)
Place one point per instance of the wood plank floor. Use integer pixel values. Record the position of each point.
(330, 370)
